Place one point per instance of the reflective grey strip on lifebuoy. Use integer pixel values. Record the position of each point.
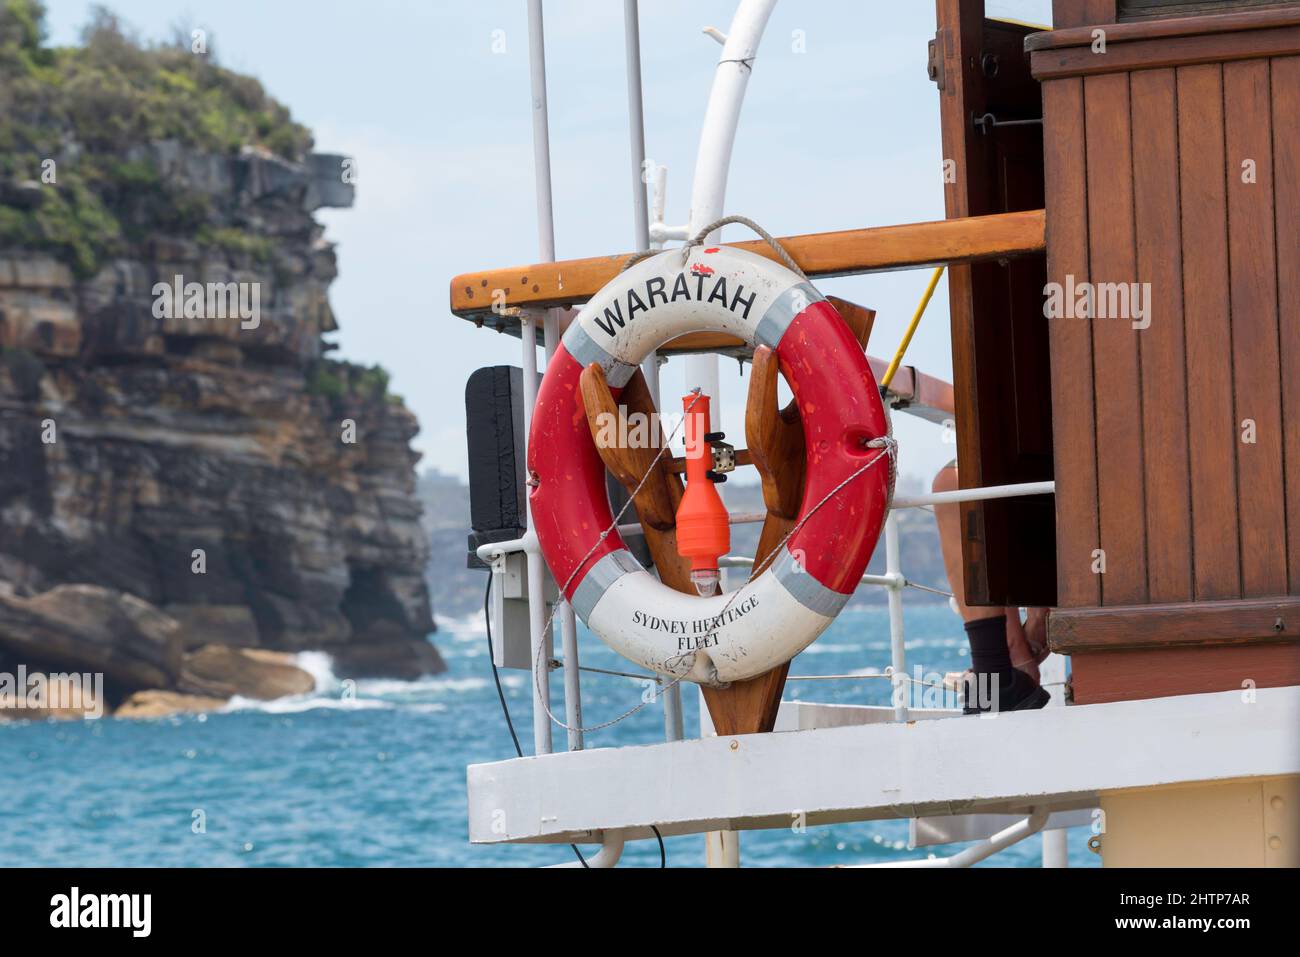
(597, 581)
(804, 588)
(771, 328)
(586, 350)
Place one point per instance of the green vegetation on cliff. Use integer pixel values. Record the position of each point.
(75, 124)
(336, 380)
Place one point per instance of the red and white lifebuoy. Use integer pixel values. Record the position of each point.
(727, 637)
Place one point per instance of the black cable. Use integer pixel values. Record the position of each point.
(505, 709)
(663, 855)
(496, 675)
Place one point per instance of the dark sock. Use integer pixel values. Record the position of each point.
(988, 645)
(995, 684)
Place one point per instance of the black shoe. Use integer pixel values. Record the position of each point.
(1016, 691)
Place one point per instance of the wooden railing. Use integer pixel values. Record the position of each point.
(845, 253)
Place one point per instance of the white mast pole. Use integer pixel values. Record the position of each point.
(636, 123)
(672, 698)
(708, 202)
(541, 685)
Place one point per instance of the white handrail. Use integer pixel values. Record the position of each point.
(977, 852)
(528, 543)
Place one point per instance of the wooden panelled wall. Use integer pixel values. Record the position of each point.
(1177, 445)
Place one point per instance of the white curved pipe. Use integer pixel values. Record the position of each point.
(722, 117)
(608, 855)
(998, 842)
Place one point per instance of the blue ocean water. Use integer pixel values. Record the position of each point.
(379, 780)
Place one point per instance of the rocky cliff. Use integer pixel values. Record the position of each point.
(175, 441)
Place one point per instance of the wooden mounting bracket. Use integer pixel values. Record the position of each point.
(776, 449)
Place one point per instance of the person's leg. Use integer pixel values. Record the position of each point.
(1036, 632)
(948, 518)
(1023, 655)
(988, 630)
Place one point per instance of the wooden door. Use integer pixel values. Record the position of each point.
(991, 111)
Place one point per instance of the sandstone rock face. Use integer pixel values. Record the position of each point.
(222, 672)
(161, 704)
(213, 471)
(89, 628)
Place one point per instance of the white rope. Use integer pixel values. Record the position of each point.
(703, 234)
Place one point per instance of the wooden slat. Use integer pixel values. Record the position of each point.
(918, 394)
(1079, 33)
(1074, 433)
(1175, 624)
(1111, 251)
(1253, 267)
(879, 249)
(1077, 13)
(1163, 355)
(1212, 441)
(963, 95)
(1175, 51)
(1167, 9)
(1286, 186)
(1103, 676)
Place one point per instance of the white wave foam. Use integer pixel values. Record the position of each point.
(469, 628)
(344, 694)
(299, 703)
(320, 666)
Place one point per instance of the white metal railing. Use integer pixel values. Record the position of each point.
(893, 579)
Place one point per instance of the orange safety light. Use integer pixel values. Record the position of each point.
(703, 529)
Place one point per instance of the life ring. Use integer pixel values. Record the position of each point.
(724, 638)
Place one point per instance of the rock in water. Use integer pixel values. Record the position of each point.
(89, 628)
(407, 660)
(161, 704)
(220, 672)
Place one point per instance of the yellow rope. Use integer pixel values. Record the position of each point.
(911, 330)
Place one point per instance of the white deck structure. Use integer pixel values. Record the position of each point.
(1056, 759)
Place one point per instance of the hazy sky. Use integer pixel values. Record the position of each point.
(843, 135)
